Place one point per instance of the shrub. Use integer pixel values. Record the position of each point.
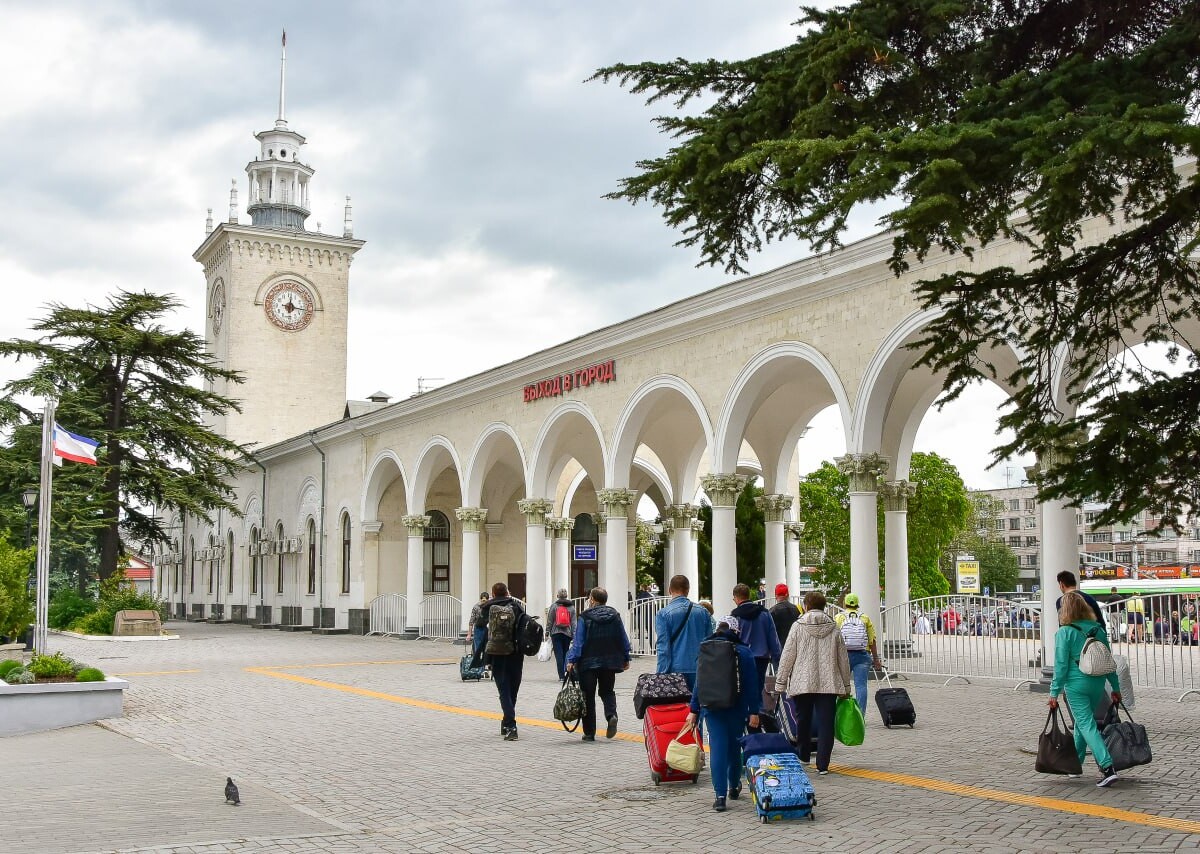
(51, 666)
(89, 674)
(8, 666)
(116, 594)
(20, 677)
(68, 606)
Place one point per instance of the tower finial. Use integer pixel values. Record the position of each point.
(233, 203)
(281, 121)
(348, 227)
(208, 223)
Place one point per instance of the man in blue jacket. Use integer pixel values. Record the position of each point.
(757, 631)
(679, 629)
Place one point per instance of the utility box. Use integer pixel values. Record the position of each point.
(137, 623)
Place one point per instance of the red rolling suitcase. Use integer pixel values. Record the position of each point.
(660, 726)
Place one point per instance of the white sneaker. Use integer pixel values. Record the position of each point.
(1074, 776)
(1107, 778)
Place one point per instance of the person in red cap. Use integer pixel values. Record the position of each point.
(784, 613)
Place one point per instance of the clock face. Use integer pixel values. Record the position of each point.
(289, 306)
(218, 308)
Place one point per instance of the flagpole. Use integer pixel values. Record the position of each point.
(40, 633)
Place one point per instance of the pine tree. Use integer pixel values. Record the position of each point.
(143, 391)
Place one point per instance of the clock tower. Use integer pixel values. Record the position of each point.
(277, 297)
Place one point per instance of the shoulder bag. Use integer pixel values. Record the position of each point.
(687, 757)
(1126, 741)
(1056, 747)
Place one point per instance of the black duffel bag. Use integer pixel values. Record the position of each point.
(1056, 747)
(657, 689)
(1126, 741)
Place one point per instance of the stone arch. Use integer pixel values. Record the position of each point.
(435, 457)
(308, 503)
(381, 474)
(251, 514)
(566, 434)
(666, 414)
(490, 450)
(771, 402)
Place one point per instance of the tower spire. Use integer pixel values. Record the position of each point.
(281, 121)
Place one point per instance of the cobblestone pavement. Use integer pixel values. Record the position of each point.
(343, 744)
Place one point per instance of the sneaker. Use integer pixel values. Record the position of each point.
(719, 805)
(1108, 776)
(612, 727)
(735, 792)
(1074, 776)
(822, 773)
(589, 738)
(511, 735)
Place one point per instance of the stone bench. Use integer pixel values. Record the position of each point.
(137, 623)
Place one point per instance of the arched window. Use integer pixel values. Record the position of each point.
(437, 553)
(229, 560)
(255, 560)
(279, 558)
(345, 552)
(213, 566)
(191, 564)
(312, 557)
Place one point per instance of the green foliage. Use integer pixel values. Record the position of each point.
(751, 538)
(825, 508)
(16, 605)
(138, 388)
(51, 666)
(89, 674)
(999, 567)
(8, 666)
(648, 553)
(116, 594)
(68, 607)
(980, 122)
(21, 676)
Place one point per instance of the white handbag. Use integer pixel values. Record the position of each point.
(1096, 659)
(546, 652)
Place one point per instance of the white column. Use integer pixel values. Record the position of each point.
(562, 554)
(614, 573)
(535, 511)
(683, 518)
(895, 552)
(668, 534)
(793, 530)
(549, 588)
(775, 509)
(473, 519)
(415, 525)
(723, 491)
(864, 471)
(1059, 549)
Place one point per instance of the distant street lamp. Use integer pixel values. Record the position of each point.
(29, 498)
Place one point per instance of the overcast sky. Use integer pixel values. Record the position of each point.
(475, 154)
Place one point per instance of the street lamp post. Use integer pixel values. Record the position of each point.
(29, 498)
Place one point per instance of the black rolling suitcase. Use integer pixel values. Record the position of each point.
(895, 707)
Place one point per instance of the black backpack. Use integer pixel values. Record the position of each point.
(718, 677)
(529, 634)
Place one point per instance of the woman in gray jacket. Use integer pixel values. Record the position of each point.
(814, 671)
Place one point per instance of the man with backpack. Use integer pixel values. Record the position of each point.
(503, 615)
(859, 634)
(727, 694)
(560, 620)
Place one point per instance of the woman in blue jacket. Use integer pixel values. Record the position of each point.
(726, 725)
(1084, 692)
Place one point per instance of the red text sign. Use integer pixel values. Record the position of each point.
(560, 384)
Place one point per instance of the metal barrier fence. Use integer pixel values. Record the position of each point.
(639, 623)
(388, 613)
(1160, 637)
(441, 617)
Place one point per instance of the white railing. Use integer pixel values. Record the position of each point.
(831, 608)
(1159, 636)
(639, 623)
(388, 614)
(963, 637)
(441, 617)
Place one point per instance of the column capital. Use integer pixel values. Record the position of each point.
(695, 532)
(793, 529)
(896, 494)
(615, 502)
(372, 528)
(602, 522)
(864, 470)
(472, 518)
(681, 516)
(774, 507)
(561, 526)
(535, 510)
(668, 528)
(415, 525)
(723, 489)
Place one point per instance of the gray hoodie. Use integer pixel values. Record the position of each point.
(814, 659)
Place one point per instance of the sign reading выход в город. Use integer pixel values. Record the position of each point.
(560, 384)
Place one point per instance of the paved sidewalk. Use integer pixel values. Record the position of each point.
(348, 744)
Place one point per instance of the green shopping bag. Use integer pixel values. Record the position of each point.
(849, 726)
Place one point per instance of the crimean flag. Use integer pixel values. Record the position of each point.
(69, 446)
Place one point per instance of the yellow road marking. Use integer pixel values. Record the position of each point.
(1177, 825)
(1061, 805)
(156, 673)
(359, 663)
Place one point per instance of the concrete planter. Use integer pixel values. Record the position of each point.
(33, 708)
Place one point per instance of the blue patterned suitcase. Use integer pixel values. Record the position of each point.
(780, 788)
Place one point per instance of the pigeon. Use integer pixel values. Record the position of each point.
(231, 793)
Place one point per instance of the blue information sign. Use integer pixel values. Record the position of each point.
(585, 552)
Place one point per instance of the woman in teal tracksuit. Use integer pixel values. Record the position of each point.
(1084, 692)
